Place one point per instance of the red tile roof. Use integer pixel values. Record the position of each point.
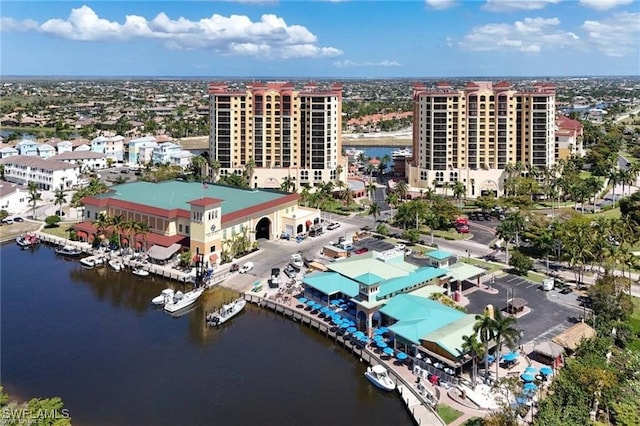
(206, 201)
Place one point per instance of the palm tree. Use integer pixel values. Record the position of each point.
(402, 189)
(374, 211)
(614, 180)
(516, 223)
(347, 197)
(59, 198)
(101, 223)
(504, 332)
(143, 228)
(215, 168)
(471, 346)
(339, 170)
(248, 172)
(287, 184)
(371, 189)
(432, 220)
(484, 328)
(116, 223)
(458, 191)
(198, 165)
(33, 197)
(505, 231)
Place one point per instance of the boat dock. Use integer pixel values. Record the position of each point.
(164, 271)
(417, 405)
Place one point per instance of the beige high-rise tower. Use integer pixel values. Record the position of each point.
(277, 132)
(470, 134)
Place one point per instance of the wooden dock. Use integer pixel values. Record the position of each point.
(419, 408)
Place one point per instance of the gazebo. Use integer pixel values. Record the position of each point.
(516, 305)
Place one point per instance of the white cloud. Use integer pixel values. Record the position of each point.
(270, 37)
(349, 63)
(512, 5)
(529, 35)
(618, 35)
(440, 4)
(604, 4)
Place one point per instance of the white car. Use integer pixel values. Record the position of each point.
(333, 225)
(246, 267)
(400, 247)
(408, 252)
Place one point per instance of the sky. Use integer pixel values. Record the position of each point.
(332, 38)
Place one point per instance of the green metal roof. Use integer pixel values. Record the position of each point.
(420, 275)
(176, 195)
(439, 254)
(368, 278)
(359, 266)
(449, 337)
(418, 317)
(463, 271)
(332, 283)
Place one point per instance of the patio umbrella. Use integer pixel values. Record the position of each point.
(527, 377)
(510, 356)
(546, 370)
(383, 330)
(302, 299)
(359, 333)
(310, 303)
(317, 306)
(401, 356)
(532, 370)
(325, 309)
(335, 303)
(530, 387)
(378, 337)
(388, 351)
(343, 325)
(336, 320)
(381, 344)
(351, 329)
(490, 358)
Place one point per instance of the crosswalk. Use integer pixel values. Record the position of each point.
(551, 333)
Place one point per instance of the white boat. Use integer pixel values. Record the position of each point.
(182, 300)
(296, 261)
(116, 264)
(164, 297)
(379, 376)
(27, 240)
(354, 153)
(227, 312)
(404, 152)
(140, 272)
(69, 250)
(91, 261)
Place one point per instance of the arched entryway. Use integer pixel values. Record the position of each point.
(376, 319)
(263, 228)
(299, 229)
(361, 318)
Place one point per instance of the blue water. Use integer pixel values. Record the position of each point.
(92, 338)
(377, 151)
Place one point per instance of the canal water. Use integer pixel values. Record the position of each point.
(92, 337)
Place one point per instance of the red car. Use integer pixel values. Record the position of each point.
(361, 250)
(463, 229)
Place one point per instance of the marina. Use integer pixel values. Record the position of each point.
(141, 352)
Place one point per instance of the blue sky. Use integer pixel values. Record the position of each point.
(341, 39)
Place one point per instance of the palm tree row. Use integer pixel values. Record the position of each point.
(118, 226)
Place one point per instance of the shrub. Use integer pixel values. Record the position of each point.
(521, 262)
(52, 221)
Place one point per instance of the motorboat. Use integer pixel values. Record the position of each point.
(296, 261)
(182, 300)
(69, 250)
(404, 152)
(164, 297)
(140, 272)
(27, 240)
(91, 261)
(227, 312)
(116, 264)
(379, 376)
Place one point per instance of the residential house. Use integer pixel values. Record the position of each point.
(45, 151)
(181, 158)
(8, 151)
(163, 152)
(47, 174)
(136, 144)
(13, 198)
(27, 147)
(64, 146)
(85, 160)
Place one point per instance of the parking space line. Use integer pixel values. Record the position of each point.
(513, 279)
(533, 285)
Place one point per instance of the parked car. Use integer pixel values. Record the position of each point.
(361, 250)
(18, 219)
(234, 267)
(408, 252)
(566, 290)
(333, 225)
(246, 267)
(7, 221)
(290, 271)
(401, 247)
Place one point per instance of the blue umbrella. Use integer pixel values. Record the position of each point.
(317, 306)
(359, 333)
(335, 303)
(546, 370)
(491, 358)
(381, 344)
(530, 387)
(310, 303)
(302, 299)
(401, 356)
(521, 401)
(383, 329)
(324, 310)
(351, 329)
(510, 356)
(378, 337)
(351, 323)
(364, 339)
(388, 351)
(532, 370)
(378, 331)
(527, 377)
(336, 320)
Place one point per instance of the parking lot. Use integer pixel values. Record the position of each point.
(551, 312)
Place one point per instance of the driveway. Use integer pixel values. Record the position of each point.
(550, 314)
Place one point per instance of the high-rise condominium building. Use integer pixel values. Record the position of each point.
(270, 132)
(470, 134)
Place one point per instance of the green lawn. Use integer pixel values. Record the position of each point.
(609, 214)
(448, 414)
(59, 231)
(535, 277)
(490, 267)
(450, 235)
(634, 322)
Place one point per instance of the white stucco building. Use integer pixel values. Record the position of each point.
(84, 160)
(47, 174)
(13, 198)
